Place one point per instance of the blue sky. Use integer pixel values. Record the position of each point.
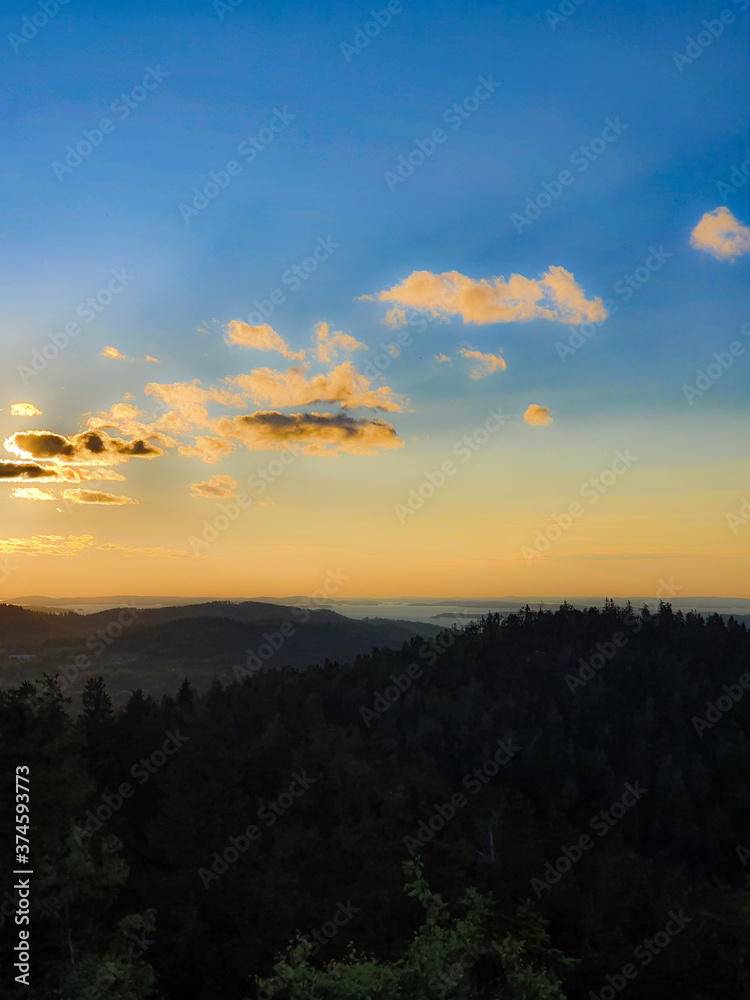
(228, 72)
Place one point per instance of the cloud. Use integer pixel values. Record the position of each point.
(112, 352)
(38, 472)
(329, 342)
(721, 235)
(73, 545)
(489, 363)
(207, 448)
(87, 448)
(93, 496)
(152, 360)
(537, 416)
(25, 471)
(315, 433)
(46, 545)
(31, 493)
(24, 410)
(343, 385)
(185, 404)
(262, 338)
(554, 296)
(128, 420)
(216, 487)
(441, 358)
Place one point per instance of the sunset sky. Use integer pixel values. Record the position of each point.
(451, 304)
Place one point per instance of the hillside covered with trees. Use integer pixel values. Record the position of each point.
(555, 805)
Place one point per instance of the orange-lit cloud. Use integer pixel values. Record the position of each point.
(38, 472)
(441, 358)
(315, 433)
(330, 342)
(87, 448)
(46, 545)
(262, 338)
(343, 385)
(489, 363)
(31, 493)
(721, 235)
(185, 404)
(537, 416)
(112, 352)
(207, 448)
(154, 361)
(94, 496)
(216, 487)
(24, 410)
(555, 296)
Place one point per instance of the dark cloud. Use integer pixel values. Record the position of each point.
(89, 447)
(316, 433)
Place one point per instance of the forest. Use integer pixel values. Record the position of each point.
(554, 805)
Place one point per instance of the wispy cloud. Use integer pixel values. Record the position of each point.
(96, 497)
(216, 487)
(554, 296)
(330, 342)
(489, 363)
(262, 338)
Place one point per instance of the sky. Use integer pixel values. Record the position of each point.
(385, 300)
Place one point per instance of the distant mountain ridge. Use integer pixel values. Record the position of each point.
(151, 647)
